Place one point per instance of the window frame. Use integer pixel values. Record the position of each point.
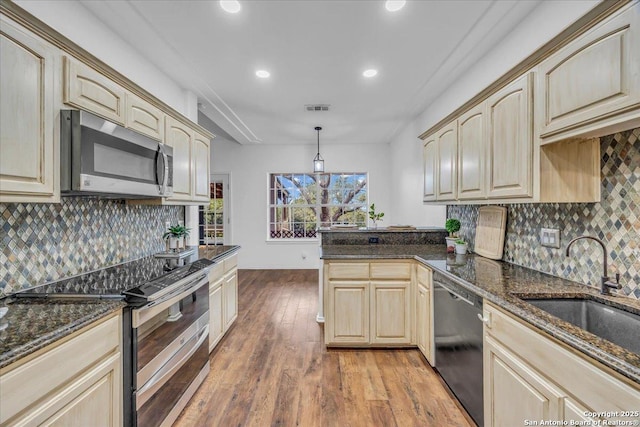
(269, 206)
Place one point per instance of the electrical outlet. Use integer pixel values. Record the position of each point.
(550, 237)
(167, 224)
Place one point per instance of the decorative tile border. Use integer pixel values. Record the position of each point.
(46, 242)
(615, 220)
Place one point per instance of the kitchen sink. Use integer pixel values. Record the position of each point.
(615, 325)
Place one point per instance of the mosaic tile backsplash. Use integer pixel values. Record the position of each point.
(46, 242)
(615, 220)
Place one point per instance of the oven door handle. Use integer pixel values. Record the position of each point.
(168, 369)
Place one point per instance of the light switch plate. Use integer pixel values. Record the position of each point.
(550, 237)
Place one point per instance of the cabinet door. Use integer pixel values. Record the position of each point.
(447, 139)
(593, 78)
(30, 159)
(216, 321)
(230, 296)
(390, 312)
(180, 138)
(423, 322)
(87, 89)
(347, 318)
(201, 156)
(513, 391)
(144, 117)
(471, 153)
(510, 141)
(430, 156)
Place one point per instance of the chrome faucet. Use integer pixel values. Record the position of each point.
(605, 282)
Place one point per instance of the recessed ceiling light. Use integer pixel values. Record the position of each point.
(230, 6)
(394, 5)
(263, 74)
(370, 73)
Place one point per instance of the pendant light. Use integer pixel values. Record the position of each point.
(318, 161)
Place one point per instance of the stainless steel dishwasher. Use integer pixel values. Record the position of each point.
(458, 342)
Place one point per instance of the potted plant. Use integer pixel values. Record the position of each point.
(452, 226)
(175, 236)
(461, 247)
(375, 216)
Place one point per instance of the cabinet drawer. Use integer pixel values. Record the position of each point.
(216, 272)
(35, 379)
(391, 270)
(230, 263)
(424, 276)
(587, 379)
(351, 270)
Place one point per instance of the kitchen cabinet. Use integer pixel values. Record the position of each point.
(201, 173)
(77, 381)
(510, 140)
(447, 148)
(144, 118)
(592, 85)
(29, 140)
(87, 89)
(424, 313)
(530, 376)
(368, 303)
(429, 158)
(472, 147)
(223, 298)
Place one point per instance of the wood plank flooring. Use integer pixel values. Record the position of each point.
(272, 369)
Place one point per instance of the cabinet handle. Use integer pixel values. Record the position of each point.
(485, 320)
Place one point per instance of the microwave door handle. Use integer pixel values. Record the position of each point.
(162, 172)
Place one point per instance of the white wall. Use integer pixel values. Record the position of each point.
(250, 165)
(75, 22)
(544, 23)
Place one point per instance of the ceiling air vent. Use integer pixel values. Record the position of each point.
(317, 107)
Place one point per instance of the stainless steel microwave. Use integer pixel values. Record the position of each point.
(101, 158)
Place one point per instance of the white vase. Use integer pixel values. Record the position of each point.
(173, 243)
(451, 243)
(461, 248)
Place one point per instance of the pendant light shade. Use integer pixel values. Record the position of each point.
(318, 161)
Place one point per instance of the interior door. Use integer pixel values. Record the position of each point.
(214, 227)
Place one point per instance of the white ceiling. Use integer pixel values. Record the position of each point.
(316, 52)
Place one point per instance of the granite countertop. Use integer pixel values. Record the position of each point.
(504, 284)
(31, 324)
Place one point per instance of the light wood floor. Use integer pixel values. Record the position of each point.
(272, 369)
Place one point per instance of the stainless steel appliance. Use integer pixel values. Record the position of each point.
(101, 158)
(165, 330)
(458, 342)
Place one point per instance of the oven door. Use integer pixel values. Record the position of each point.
(170, 348)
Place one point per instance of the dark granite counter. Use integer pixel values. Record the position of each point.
(31, 324)
(505, 284)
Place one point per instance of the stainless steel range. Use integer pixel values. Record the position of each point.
(165, 331)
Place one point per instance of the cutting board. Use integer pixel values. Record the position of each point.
(490, 230)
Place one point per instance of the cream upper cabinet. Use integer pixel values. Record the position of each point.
(530, 376)
(201, 159)
(180, 138)
(347, 312)
(30, 161)
(471, 153)
(592, 82)
(143, 117)
(430, 157)
(87, 89)
(390, 312)
(510, 140)
(447, 143)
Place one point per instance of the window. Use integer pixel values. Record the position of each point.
(300, 203)
(212, 216)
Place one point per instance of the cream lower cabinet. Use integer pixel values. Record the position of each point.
(223, 298)
(529, 376)
(74, 383)
(369, 303)
(424, 313)
(29, 143)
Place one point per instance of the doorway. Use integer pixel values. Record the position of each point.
(214, 219)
